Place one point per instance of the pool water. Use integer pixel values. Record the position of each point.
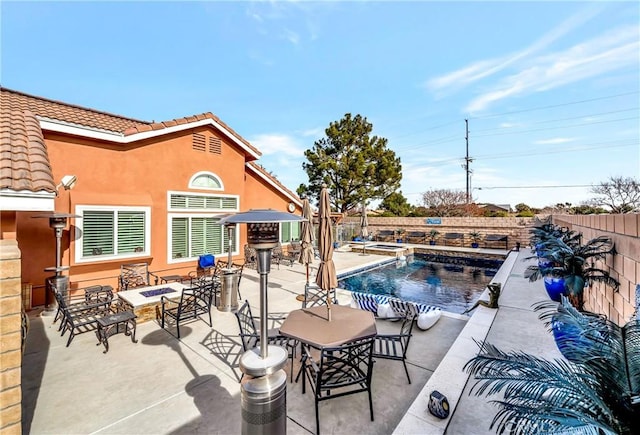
(453, 286)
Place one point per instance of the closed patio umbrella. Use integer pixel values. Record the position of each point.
(326, 278)
(364, 224)
(306, 236)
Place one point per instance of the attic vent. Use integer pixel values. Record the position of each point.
(215, 145)
(199, 142)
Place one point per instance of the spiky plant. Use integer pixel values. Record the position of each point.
(575, 262)
(597, 393)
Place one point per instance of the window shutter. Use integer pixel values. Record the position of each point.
(179, 237)
(130, 232)
(197, 236)
(285, 232)
(97, 233)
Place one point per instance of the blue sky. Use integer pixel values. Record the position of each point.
(550, 89)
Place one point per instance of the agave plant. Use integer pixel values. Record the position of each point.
(546, 231)
(576, 263)
(597, 392)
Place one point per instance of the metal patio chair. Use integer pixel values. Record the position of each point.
(338, 371)
(194, 302)
(250, 337)
(395, 346)
(136, 275)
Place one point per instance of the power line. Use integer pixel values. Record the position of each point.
(533, 187)
(558, 127)
(567, 119)
(555, 105)
(588, 147)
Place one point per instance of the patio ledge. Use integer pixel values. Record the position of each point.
(449, 378)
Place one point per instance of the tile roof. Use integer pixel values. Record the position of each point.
(45, 108)
(24, 162)
(69, 113)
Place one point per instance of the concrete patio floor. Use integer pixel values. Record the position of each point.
(165, 385)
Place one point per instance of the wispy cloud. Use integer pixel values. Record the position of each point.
(609, 52)
(484, 68)
(555, 140)
(276, 143)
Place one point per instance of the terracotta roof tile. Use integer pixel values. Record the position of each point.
(27, 133)
(24, 161)
(42, 107)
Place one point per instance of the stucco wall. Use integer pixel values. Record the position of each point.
(624, 230)
(138, 174)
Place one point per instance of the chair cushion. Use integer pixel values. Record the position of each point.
(384, 311)
(428, 319)
(206, 260)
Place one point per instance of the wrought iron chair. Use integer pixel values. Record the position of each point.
(314, 296)
(395, 346)
(250, 257)
(338, 371)
(136, 275)
(82, 316)
(194, 302)
(277, 255)
(250, 337)
(83, 298)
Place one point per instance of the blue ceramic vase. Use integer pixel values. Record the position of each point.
(555, 287)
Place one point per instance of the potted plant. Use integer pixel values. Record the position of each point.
(572, 266)
(433, 235)
(475, 238)
(400, 232)
(594, 394)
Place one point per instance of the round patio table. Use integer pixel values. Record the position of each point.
(310, 325)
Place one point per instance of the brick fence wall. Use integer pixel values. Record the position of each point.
(624, 230)
(10, 338)
(517, 229)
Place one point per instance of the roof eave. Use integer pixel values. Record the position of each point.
(117, 137)
(26, 200)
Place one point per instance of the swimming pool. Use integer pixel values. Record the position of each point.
(454, 285)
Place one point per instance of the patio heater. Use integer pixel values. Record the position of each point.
(58, 222)
(228, 300)
(264, 388)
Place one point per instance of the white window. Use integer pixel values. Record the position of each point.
(185, 201)
(193, 235)
(289, 231)
(107, 232)
(206, 180)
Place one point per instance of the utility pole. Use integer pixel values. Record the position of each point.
(467, 161)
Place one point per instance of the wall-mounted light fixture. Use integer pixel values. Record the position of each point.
(67, 182)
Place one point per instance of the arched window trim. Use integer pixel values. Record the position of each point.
(208, 174)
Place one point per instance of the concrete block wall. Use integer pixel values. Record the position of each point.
(624, 230)
(517, 229)
(10, 338)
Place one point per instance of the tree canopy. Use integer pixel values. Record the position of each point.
(396, 204)
(620, 194)
(354, 165)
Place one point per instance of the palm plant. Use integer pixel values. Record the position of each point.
(575, 262)
(597, 392)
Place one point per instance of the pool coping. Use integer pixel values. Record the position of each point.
(449, 377)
